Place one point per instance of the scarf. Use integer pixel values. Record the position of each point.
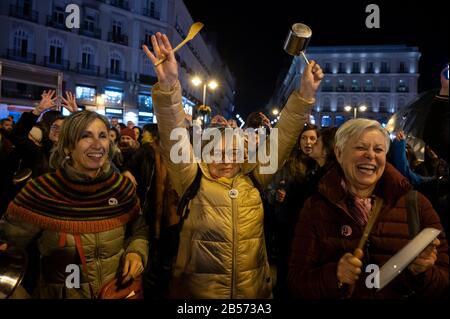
(358, 207)
(56, 202)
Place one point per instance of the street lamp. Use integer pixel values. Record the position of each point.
(362, 108)
(212, 84)
(275, 111)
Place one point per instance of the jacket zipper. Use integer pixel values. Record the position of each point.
(97, 262)
(233, 266)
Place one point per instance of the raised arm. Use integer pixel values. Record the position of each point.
(166, 95)
(293, 117)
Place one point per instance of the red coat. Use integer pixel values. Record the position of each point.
(326, 231)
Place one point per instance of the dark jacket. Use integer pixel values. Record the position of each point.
(320, 241)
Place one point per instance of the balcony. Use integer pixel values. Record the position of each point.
(90, 69)
(370, 70)
(369, 89)
(120, 4)
(21, 56)
(327, 89)
(54, 23)
(385, 70)
(91, 32)
(341, 89)
(117, 38)
(147, 79)
(355, 89)
(402, 89)
(56, 63)
(152, 13)
(384, 89)
(116, 75)
(23, 13)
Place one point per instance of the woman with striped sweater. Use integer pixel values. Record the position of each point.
(83, 214)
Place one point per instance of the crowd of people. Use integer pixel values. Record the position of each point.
(109, 198)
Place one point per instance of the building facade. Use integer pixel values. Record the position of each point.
(101, 61)
(363, 81)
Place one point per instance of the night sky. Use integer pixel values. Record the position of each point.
(250, 36)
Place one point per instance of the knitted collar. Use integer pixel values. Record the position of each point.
(53, 201)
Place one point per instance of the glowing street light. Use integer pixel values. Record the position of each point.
(362, 108)
(212, 84)
(275, 111)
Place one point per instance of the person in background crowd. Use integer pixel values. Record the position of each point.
(106, 236)
(324, 260)
(127, 145)
(138, 132)
(6, 125)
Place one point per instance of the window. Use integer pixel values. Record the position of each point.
(86, 93)
(383, 104)
(327, 68)
(117, 28)
(326, 121)
(58, 15)
(368, 102)
(401, 86)
(402, 67)
(384, 67)
(339, 120)
(326, 104)
(113, 97)
(354, 101)
(147, 38)
(341, 68)
(87, 57)
(340, 103)
(20, 43)
(55, 55)
(355, 86)
(114, 63)
(147, 65)
(89, 22)
(340, 86)
(355, 67)
(370, 68)
(145, 102)
(368, 86)
(401, 102)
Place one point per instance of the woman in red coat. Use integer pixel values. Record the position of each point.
(324, 263)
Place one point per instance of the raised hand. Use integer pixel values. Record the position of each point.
(400, 135)
(167, 72)
(311, 78)
(70, 103)
(48, 101)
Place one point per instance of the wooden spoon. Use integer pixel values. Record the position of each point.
(195, 28)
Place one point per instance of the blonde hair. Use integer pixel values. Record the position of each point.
(71, 131)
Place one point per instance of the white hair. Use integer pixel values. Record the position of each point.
(354, 128)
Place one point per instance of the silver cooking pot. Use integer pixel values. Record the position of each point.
(297, 40)
(13, 264)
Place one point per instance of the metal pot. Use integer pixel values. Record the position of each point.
(13, 264)
(297, 39)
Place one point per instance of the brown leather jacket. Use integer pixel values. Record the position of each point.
(326, 231)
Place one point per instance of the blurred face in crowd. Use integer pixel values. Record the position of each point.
(7, 125)
(113, 136)
(363, 160)
(114, 122)
(227, 165)
(318, 152)
(55, 128)
(91, 150)
(307, 140)
(147, 137)
(137, 132)
(130, 124)
(126, 141)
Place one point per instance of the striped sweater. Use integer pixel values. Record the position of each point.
(54, 202)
